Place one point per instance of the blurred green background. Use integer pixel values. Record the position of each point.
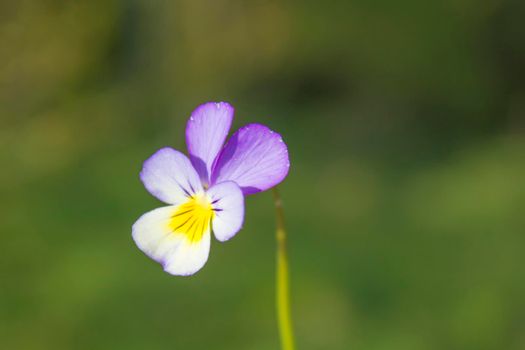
(405, 202)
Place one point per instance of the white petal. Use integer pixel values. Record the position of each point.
(179, 255)
(189, 257)
(228, 205)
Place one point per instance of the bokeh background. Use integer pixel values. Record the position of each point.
(405, 203)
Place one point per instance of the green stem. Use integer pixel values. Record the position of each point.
(284, 319)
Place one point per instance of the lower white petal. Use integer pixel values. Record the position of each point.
(180, 250)
(188, 257)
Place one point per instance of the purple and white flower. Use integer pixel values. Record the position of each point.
(206, 192)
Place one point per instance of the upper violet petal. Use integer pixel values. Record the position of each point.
(169, 175)
(206, 132)
(255, 157)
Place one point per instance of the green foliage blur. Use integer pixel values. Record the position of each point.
(405, 202)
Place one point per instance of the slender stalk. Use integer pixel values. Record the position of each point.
(284, 319)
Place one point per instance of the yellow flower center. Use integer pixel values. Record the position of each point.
(193, 218)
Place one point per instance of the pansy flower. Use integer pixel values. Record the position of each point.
(205, 192)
